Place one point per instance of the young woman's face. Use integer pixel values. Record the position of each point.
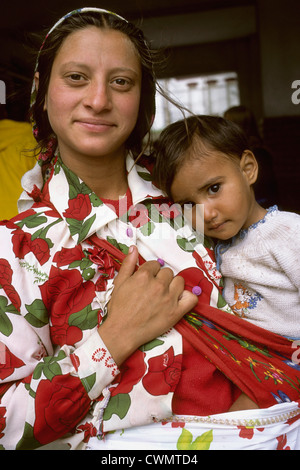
(94, 93)
(223, 187)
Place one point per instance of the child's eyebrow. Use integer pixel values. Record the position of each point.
(209, 183)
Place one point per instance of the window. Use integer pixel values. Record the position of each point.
(211, 94)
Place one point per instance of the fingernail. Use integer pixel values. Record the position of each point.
(131, 248)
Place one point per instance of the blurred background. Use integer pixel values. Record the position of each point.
(221, 54)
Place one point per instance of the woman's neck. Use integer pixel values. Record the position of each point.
(106, 176)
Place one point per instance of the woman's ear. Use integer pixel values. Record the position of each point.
(249, 166)
(37, 82)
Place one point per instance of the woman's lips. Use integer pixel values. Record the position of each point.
(95, 125)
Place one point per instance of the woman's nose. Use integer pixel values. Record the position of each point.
(98, 97)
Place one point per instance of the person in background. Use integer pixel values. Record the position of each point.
(16, 158)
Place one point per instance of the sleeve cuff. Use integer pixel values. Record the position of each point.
(94, 365)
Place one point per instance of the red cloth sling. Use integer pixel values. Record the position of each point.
(257, 361)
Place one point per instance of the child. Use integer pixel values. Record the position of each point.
(205, 160)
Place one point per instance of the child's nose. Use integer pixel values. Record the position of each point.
(210, 212)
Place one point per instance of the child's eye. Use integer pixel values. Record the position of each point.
(188, 204)
(214, 188)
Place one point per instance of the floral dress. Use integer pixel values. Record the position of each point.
(54, 368)
(58, 381)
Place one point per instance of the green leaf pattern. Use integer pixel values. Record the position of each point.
(6, 327)
(55, 230)
(202, 442)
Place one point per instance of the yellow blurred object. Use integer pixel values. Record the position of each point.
(16, 141)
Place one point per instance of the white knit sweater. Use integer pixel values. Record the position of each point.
(262, 273)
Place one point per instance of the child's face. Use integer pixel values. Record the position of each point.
(223, 186)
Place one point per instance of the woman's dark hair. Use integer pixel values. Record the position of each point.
(47, 55)
(175, 140)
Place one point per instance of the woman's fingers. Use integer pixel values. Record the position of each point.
(145, 303)
(128, 266)
(187, 302)
(148, 271)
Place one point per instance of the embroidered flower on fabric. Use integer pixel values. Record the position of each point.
(101, 355)
(212, 269)
(245, 300)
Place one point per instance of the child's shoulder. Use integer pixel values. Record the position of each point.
(286, 216)
(282, 223)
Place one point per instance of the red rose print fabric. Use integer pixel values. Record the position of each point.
(57, 378)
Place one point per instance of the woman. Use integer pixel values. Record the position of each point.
(74, 365)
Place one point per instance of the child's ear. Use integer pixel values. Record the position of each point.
(249, 166)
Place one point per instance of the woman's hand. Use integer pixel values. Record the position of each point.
(144, 305)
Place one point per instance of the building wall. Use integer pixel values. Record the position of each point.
(278, 25)
(261, 42)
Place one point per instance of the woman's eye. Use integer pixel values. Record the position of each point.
(122, 83)
(76, 77)
(214, 188)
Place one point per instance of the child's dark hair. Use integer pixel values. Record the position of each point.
(174, 141)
